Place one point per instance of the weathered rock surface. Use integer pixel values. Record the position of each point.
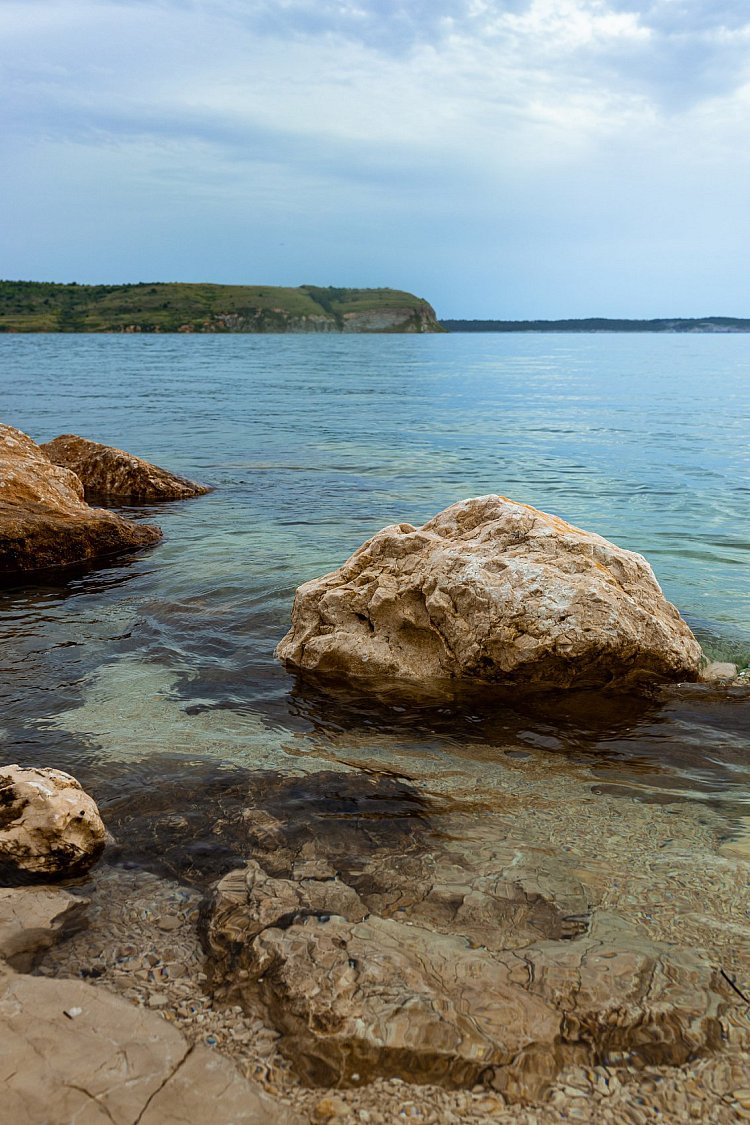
(112, 474)
(248, 901)
(44, 519)
(491, 591)
(356, 998)
(49, 827)
(72, 1052)
(32, 919)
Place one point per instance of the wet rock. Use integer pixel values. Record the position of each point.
(113, 1062)
(626, 997)
(49, 827)
(44, 519)
(494, 592)
(512, 906)
(381, 997)
(33, 919)
(359, 998)
(246, 902)
(112, 474)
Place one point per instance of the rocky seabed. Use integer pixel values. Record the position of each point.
(383, 949)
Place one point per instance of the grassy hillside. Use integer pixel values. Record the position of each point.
(32, 306)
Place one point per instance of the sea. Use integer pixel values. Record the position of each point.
(155, 672)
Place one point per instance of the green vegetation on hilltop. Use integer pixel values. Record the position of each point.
(33, 306)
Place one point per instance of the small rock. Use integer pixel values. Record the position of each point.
(169, 922)
(73, 1013)
(331, 1108)
(110, 473)
(719, 672)
(50, 826)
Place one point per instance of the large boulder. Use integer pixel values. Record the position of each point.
(108, 473)
(45, 521)
(49, 827)
(491, 591)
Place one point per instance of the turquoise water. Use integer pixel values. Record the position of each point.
(313, 443)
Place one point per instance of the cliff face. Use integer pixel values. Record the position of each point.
(41, 307)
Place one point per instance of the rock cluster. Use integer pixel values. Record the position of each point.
(491, 592)
(357, 995)
(112, 474)
(49, 827)
(45, 521)
(71, 1052)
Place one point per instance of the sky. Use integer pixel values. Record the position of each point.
(501, 158)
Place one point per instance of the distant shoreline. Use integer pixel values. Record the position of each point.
(720, 324)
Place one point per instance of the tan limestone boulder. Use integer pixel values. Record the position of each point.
(70, 1052)
(491, 591)
(45, 521)
(49, 827)
(112, 474)
(32, 919)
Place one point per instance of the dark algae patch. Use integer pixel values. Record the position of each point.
(194, 820)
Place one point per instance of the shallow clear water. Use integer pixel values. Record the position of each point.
(314, 443)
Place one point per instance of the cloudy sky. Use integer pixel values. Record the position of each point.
(507, 158)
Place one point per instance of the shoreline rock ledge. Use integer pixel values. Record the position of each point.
(491, 592)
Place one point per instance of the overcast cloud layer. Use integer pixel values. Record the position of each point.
(512, 159)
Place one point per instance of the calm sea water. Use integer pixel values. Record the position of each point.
(314, 443)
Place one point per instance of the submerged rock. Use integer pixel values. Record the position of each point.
(719, 672)
(111, 474)
(45, 521)
(358, 996)
(49, 827)
(496, 592)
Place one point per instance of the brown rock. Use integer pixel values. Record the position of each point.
(44, 519)
(111, 474)
(108, 1061)
(495, 592)
(331, 1108)
(34, 918)
(246, 902)
(359, 999)
(49, 827)
(382, 997)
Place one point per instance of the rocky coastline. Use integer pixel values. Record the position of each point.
(360, 946)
